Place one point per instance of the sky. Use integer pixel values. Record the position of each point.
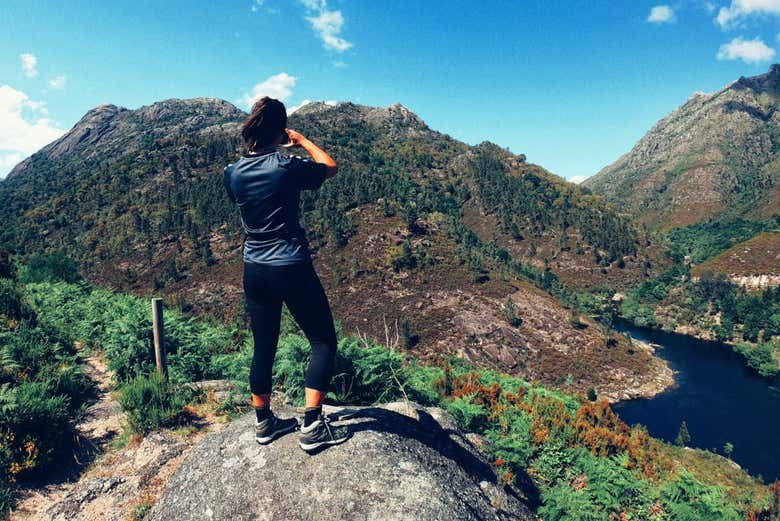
(571, 84)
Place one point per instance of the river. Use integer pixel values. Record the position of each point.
(720, 399)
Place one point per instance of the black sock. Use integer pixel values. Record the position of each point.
(263, 413)
(311, 415)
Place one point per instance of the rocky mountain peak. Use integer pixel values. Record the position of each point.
(768, 82)
(714, 153)
(395, 117)
(191, 107)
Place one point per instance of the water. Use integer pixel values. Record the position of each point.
(720, 399)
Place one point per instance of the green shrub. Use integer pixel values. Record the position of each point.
(152, 403)
(470, 416)
(511, 439)
(49, 268)
(10, 300)
(34, 427)
(686, 499)
(422, 383)
(760, 357)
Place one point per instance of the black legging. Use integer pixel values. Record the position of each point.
(298, 286)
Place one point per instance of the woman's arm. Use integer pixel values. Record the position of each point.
(318, 154)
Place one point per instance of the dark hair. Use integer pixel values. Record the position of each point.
(263, 126)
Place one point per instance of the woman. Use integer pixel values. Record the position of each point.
(266, 186)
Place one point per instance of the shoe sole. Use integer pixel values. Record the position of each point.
(312, 446)
(271, 437)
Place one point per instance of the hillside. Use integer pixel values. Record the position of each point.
(145, 445)
(754, 263)
(716, 155)
(421, 239)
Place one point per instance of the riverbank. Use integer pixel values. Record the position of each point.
(660, 379)
(762, 357)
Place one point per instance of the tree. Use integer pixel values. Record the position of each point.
(683, 437)
(510, 312)
(409, 338)
(728, 449)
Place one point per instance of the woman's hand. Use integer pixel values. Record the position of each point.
(296, 138)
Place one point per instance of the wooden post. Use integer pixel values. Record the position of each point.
(159, 337)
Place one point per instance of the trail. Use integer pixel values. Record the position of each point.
(100, 425)
(104, 480)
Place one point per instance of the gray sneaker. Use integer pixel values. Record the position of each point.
(267, 430)
(321, 434)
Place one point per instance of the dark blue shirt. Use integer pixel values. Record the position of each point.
(267, 189)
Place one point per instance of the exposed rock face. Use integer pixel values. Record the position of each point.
(108, 129)
(753, 282)
(716, 152)
(393, 467)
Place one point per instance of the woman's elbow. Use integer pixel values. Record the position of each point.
(332, 170)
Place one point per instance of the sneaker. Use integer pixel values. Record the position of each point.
(320, 434)
(271, 427)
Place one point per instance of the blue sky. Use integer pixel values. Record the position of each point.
(573, 84)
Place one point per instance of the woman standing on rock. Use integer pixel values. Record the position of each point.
(266, 186)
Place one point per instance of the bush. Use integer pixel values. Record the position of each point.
(510, 313)
(10, 300)
(152, 403)
(471, 417)
(49, 268)
(760, 357)
(687, 499)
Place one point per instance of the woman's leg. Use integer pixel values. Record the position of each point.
(265, 311)
(264, 305)
(309, 306)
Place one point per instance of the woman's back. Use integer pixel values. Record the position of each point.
(266, 187)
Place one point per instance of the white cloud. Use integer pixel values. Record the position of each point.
(327, 24)
(58, 82)
(749, 51)
(278, 86)
(332, 103)
(577, 179)
(8, 160)
(257, 4)
(29, 64)
(739, 10)
(661, 14)
(314, 5)
(23, 127)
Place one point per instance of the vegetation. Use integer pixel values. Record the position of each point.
(42, 388)
(535, 201)
(151, 402)
(712, 304)
(578, 451)
(708, 238)
(683, 436)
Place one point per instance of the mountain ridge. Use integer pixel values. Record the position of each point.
(716, 154)
(419, 233)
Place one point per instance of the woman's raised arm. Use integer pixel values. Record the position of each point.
(318, 154)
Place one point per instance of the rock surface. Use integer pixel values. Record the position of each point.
(401, 462)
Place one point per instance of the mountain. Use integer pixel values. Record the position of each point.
(716, 155)
(424, 242)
